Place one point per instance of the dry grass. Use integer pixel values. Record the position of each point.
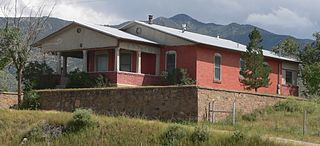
(283, 124)
(107, 131)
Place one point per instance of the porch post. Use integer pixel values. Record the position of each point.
(157, 64)
(65, 58)
(58, 63)
(138, 66)
(117, 59)
(84, 60)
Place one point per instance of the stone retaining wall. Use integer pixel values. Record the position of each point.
(8, 99)
(168, 103)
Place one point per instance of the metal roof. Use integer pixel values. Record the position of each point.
(103, 29)
(206, 40)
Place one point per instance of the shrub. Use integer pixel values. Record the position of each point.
(237, 137)
(81, 118)
(172, 135)
(35, 76)
(200, 134)
(178, 76)
(250, 117)
(101, 81)
(292, 105)
(30, 101)
(79, 79)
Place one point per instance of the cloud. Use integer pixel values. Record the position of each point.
(70, 10)
(281, 17)
(295, 17)
(82, 13)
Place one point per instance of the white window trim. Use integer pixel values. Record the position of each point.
(214, 66)
(294, 79)
(175, 61)
(95, 60)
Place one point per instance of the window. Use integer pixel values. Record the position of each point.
(241, 66)
(217, 67)
(289, 77)
(170, 60)
(125, 61)
(101, 61)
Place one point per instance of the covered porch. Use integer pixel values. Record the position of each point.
(124, 59)
(121, 65)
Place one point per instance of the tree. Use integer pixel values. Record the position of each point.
(255, 72)
(310, 69)
(289, 47)
(15, 40)
(311, 78)
(311, 52)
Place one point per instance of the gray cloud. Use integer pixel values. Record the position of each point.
(299, 18)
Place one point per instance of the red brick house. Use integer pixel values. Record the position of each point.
(138, 52)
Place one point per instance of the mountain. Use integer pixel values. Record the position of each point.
(233, 31)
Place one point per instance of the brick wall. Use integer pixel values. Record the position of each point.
(8, 99)
(170, 102)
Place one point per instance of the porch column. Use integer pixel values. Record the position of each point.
(157, 64)
(58, 63)
(65, 58)
(138, 66)
(84, 60)
(117, 59)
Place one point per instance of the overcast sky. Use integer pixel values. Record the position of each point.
(300, 18)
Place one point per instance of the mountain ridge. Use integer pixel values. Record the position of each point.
(232, 31)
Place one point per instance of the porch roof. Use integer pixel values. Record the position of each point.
(110, 31)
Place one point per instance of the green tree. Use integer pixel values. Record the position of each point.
(311, 52)
(310, 70)
(289, 47)
(311, 78)
(255, 72)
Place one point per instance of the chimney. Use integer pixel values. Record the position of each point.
(150, 19)
(184, 28)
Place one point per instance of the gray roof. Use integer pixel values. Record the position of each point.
(206, 40)
(103, 29)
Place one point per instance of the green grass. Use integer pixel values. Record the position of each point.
(15, 125)
(284, 120)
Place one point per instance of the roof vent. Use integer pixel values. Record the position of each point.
(184, 28)
(150, 21)
(218, 36)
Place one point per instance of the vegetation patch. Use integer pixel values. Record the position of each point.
(81, 118)
(173, 135)
(200, 134)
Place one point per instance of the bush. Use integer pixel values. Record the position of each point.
(292, 105)
(237, 137)
(250, 117)
(35, 76)
(177, 76)
(79, 79)
(172, 135)
(200, 134)
(30, 101)
(81, 119)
